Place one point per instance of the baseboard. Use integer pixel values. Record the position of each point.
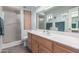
(11, 44)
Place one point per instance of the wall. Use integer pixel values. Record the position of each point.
(1, 12)
(34, 18)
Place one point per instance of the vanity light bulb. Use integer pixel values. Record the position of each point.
(49, 17)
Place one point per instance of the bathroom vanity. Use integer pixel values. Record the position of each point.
(39, 42)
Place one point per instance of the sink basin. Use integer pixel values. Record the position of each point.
(47, 33)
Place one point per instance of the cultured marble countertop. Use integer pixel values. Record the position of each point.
(69, 39)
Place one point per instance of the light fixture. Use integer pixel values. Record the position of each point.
(41, 19)
(50, 17)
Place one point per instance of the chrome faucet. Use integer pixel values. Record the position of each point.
(46, 31)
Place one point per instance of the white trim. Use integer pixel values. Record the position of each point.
(22, 22)
(0, 43)
(11, 44)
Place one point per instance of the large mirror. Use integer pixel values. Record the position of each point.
(41, 20)
(59, 18)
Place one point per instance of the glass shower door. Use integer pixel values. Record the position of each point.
(11, 27)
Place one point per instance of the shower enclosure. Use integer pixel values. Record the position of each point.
(11, 27)
(12, 30)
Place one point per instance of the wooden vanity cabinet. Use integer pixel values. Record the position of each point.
(34, 46)
(39, 44)
(45, 45)
(61, 48)
(43, 49)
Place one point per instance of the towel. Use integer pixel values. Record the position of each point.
(1, 26)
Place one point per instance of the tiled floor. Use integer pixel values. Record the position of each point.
(16, 49)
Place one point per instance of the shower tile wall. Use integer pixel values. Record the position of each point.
(11, 27)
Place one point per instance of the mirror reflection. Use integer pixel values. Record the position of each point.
(59, 18)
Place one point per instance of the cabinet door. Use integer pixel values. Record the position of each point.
(29, 41)
(61, 49)
(42, 49)
(58, 49)
(34, 46)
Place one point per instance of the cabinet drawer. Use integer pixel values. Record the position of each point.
(46, 43)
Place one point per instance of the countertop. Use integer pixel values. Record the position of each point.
(69, 39)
